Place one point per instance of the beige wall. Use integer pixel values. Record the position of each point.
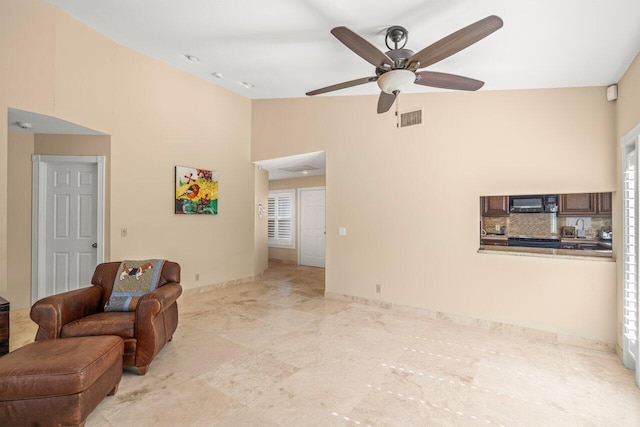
(26, 78)
(409, 198)
(628, 103)
(20, 149)
(157, 116)
(285, 254)
(261, 248)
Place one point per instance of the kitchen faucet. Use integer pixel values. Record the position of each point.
(580, 231)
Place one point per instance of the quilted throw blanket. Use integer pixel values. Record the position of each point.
(133, 280)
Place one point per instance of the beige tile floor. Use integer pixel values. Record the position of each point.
(274, 352)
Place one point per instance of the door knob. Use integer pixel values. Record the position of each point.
(95, 245)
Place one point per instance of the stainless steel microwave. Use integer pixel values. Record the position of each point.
(533, 204)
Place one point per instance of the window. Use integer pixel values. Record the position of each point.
(281, 218)
(630, 256)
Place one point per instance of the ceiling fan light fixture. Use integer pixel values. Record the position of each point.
(396, 81)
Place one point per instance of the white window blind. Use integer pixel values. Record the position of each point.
(281, 218)
(630, 255)
(630, 267)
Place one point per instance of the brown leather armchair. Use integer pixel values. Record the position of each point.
(81, 313)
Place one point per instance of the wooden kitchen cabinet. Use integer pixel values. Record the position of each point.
(604, 204)
(582, 204)
(495, 206)
(4, 326)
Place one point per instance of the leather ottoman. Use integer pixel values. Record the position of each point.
(58, 382)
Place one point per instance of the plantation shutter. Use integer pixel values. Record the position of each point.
(630, 262)
(281, 218)
(630, 256)
(284, 217)
(271, 221)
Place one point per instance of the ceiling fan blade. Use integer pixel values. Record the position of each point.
(455, 42)
(385, 101)
(361, 47)
(342, 85)
(447, 81)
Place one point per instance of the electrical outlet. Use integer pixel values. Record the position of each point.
(197, 276)
(378, 288)
(123, 232)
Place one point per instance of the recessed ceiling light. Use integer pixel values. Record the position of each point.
(217, 75)
(24, 125)
(193, 59)
(303, 168)
(248, 85)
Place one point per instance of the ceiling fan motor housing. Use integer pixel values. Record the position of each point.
(399, 57)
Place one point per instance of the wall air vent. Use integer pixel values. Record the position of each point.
(410, 118)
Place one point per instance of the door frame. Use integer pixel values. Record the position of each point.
(38, 222)
(299, 218)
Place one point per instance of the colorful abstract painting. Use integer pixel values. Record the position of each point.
(196, 191)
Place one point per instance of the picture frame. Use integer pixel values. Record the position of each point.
(196, 191)
(568, 231)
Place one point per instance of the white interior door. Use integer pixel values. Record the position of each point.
(312, 226)
(69, 223)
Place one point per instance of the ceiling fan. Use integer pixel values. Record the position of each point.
(397, 69)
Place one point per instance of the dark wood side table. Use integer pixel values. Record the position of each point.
(4, 326)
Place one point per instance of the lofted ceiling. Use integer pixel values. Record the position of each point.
(284, 47)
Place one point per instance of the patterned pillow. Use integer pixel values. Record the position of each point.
(133, 280)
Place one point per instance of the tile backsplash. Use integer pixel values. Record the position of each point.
(543, 225)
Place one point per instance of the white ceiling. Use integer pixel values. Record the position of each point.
(285, 49)
(301, 165)
(39, 123)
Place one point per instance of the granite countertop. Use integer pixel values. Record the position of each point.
(601, 255)
(606, 243)
(604, 251)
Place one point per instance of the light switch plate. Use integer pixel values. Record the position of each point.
(342, 231)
